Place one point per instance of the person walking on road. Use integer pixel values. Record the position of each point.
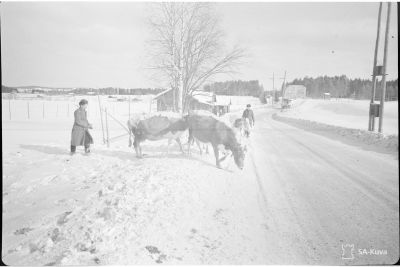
(80, 135)
(248, 118)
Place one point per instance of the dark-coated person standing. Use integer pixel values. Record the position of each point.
(80, 135)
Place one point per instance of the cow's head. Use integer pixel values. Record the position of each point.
(239, 154)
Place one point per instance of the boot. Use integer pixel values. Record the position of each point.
(73, 149)
(87, 149)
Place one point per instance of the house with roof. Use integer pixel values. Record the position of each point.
(200, 100)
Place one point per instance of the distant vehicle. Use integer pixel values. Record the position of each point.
(286, 103)
(110, 96)
(121, 99)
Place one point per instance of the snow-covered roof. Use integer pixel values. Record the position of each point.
(223, 100)
(204, 97)
(162, 93)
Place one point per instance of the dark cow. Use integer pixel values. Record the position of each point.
(157, 127)
(208, 129)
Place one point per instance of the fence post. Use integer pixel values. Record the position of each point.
(28, 109)
(129, 107)
(108, 140)
(101, 118)
(43, 110)
(9, 107)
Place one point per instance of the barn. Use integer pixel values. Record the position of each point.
(200, 100)
(294, 92)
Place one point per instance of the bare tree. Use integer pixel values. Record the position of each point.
(187, 48)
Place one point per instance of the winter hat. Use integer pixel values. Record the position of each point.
(83, 102)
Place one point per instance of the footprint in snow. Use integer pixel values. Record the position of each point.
(85, 247)
(154, 250)
(161, 258)
(63, 218)
(55, 235)
(106, 214)
(96, 260)
(23, 231)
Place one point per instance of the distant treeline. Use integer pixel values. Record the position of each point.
(337, 86)
(122, 91)
(240, 88)
(101, 91)
(341, 86)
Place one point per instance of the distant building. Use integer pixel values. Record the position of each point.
(327, 96)
(295, 91)
(200, 100)
(24, 90)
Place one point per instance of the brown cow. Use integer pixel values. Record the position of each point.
(208, 129)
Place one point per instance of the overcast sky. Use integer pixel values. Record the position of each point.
(104, 44)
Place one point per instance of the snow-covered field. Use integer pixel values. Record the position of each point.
(60, 209)
(299, 198)
(343, 112)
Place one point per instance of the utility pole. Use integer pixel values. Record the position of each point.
(371, 122)
(283, 84)
(384, 68)
(273, 86)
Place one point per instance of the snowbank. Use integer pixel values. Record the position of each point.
(346, 113)
(368, 140)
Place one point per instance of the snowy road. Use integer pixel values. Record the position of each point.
(318, 194)
(299, 198)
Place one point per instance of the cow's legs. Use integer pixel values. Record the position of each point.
(180, 145)
(199, 145)
(169, 143)
(216, 154)
(138, 149)
(190, 140)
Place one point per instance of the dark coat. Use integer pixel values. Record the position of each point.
(80, 133)
(248, 113)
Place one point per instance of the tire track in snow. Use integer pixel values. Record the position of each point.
(351, 175)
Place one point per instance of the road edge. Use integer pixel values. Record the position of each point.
(372, 141)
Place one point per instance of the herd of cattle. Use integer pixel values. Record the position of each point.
(202, 127)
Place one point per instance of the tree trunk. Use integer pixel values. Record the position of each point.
(180, 88)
